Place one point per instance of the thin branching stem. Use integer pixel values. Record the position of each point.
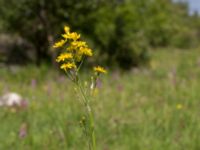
(81, 63)
(92, 137)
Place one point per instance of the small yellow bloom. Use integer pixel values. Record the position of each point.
(65, 36)
(73, 36)
(59, 44)
(67, 66)
(63, 57)
(86, 51)
(67, 29)
(82, 44)
(179, 106)
(99, 69)
(78, 44)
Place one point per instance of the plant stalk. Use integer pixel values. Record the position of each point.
(92, 137)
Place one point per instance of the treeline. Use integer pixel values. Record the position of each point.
(121, 31)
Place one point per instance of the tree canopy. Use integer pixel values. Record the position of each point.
(121, 31)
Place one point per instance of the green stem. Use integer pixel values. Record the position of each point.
(92, 137)
(80, 64)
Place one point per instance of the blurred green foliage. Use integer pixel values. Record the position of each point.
(121, 31)
(133, 111)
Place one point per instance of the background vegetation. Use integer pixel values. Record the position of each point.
(122, 32)
(135, 110)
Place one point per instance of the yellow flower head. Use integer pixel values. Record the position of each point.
(81, 44)
(73, 36)
(67, 29)
(59, 44)
(78, 44)
(65, 36)
(63, 57)
(75, 50)
(179, 106)
(86, 51)
(67, 66)
(99, 69)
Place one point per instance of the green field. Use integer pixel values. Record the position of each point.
(155, 108)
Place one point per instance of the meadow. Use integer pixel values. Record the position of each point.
(147, 108)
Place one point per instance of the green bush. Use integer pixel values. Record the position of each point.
(121, 32)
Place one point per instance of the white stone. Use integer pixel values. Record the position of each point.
(10, 99)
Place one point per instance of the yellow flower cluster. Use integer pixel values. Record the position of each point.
(63, 57)
(59, 44)
(99, 69)
(67, 66)
(75, 51)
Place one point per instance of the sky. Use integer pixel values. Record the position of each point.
(194, 5)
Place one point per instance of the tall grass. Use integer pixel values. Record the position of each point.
(135, 110)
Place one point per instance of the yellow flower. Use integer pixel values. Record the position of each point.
(78, 44)
(74, 36)
(63, 57)
(99, 69)
(67, 66)
(65, 36)
(67, 29)
(81, 44)
(179, 106)
(59, 44)
(86, 51)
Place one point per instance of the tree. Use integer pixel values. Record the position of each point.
(122, 31)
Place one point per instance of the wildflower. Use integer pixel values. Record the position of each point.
(72, 60)
(86, 51)
(67, 66)
(59, 44)
(179, 106)
(81, 44)
(78, 44)
(65, 36)
(99, 69)
(63, 57)
(67, 29)
(73, 36)
(23, 130)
